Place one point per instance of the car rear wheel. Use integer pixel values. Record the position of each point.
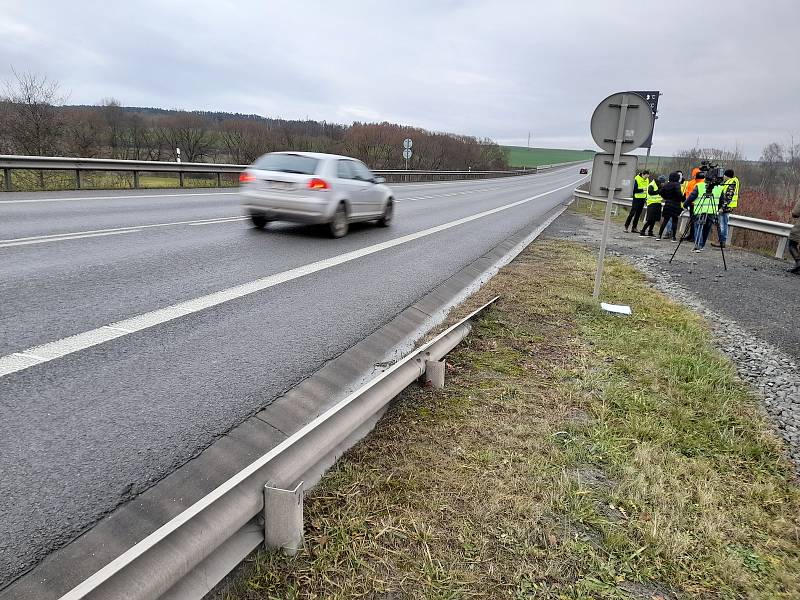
(388, 213)
(338, 225)
(259, 221)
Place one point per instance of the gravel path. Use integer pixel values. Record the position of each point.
(754, 309)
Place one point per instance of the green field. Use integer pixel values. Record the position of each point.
(520, 156)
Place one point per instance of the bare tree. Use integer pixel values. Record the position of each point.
(83, 132)
(33, 124)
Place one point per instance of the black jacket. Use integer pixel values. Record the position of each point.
(673, 198)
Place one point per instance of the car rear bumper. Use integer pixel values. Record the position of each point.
(301, 209)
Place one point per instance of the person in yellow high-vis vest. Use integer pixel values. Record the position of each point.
(729, 202)
(640, 184)
(654, 202)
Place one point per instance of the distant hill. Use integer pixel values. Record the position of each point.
(520, 156)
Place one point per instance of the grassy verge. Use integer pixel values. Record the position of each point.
(573, 454)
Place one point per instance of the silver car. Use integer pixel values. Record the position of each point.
(309, 187)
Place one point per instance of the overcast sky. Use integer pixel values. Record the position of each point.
(728, 69)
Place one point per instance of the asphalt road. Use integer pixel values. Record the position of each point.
(93, 420)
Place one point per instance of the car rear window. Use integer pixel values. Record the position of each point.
(287, 163)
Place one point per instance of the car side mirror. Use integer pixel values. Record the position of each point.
(378, 180)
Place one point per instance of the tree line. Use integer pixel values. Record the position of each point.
(35, 120)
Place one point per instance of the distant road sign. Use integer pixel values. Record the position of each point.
(407, 143)
(407, 153)
(638, 126)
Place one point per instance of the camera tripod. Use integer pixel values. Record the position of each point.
(703, 220)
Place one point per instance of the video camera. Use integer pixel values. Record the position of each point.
(715, 174)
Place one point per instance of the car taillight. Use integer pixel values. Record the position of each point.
(315, 183)
(245, 177)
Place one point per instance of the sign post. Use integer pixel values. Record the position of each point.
(620, 123)
(407, 143)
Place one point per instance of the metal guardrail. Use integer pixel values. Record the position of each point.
(781, 230)
(79, 166)
(188, 555)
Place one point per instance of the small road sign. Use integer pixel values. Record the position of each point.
(407, 143)
(407, 153)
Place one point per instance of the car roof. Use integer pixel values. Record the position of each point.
(317, 155)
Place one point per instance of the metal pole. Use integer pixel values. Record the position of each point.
(623, 111)
(647, 158)
(7, 177)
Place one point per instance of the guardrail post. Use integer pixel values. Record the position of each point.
(77, 179)
(434, 373)
(136, 179)
(283, 518)
(781, 248)
(219, 179)
(41, 178)
(7, 178)
(180, 177)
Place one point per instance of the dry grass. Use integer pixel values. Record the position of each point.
(573, 454)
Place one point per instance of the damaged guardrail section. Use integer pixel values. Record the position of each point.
(187, 556)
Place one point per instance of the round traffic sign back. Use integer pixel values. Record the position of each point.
(407, 153)
(407, 143)
(638, 121)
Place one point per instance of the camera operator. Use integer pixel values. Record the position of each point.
(704, 200)
(730, 199)
(794, 240)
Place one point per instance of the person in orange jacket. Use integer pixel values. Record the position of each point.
(690, 185)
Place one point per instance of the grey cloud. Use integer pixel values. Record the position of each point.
(495, 69)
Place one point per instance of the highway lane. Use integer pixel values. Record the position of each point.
(84, 432)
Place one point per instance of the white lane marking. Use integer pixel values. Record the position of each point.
(228, 220)
(119, 197)
(63, 238)
(22, 360)
(57, 237)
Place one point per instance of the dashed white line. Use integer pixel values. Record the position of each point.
(76, 235)
(25, 358)
(62, 238)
